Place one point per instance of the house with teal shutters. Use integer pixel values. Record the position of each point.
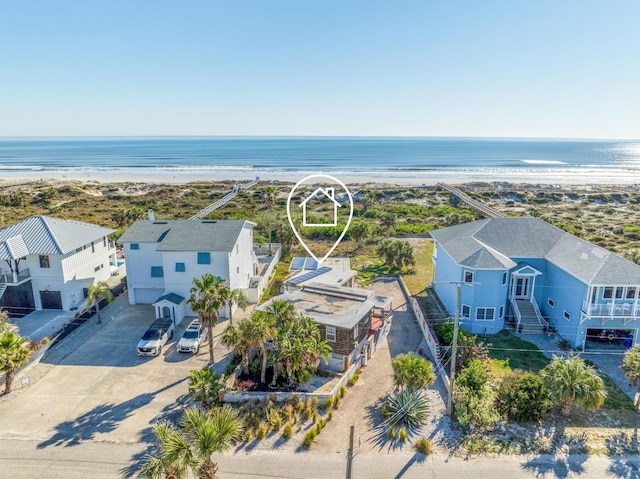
(539, 277)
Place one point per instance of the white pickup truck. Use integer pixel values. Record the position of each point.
(155, 337)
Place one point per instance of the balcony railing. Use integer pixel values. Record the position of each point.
(9, 279)
(610, 309)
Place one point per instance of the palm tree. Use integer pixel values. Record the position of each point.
(359, 231)
(96, 293)
(368, 199)
(208, 295)
(236, 297)
(269, 198)
(13, 352)
(631, 368)
(190, 447)
(412, 372)
(388, 221)
(283, 313)
(572, 381)
(5, 325)
(237, 337)
(203, 386)
(261, 329)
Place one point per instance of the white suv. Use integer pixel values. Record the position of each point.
(193, 336)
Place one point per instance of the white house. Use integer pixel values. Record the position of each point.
(163, 257)
(48, 263)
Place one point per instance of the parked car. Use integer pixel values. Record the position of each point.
(193, 337)
(156, 336)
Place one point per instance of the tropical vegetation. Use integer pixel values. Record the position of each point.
(396, 253)
(523, 397)
(405, 409)
(188, 448)
(14, 352)
(572, 381)
(631, 368)
(412, 371)
(203, 386)
(95, 294)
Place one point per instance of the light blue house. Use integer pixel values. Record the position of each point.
(537, 275)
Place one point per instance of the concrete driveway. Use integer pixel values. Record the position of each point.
(93, 385)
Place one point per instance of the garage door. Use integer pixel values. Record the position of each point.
(610, 338)
(147, 295)
(51, 299)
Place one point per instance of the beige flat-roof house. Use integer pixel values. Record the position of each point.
(352, 320)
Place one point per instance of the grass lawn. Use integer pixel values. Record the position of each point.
(509, 352)
(420, 277)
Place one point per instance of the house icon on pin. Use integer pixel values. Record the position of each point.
(322, 198)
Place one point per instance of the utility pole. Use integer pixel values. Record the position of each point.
(454, 350)
(350, 453)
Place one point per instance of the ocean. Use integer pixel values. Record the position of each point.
(353, 158)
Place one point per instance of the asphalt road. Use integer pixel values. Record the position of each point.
(25, 459)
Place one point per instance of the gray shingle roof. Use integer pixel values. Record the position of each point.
(186, 235)
(46, 235)
(481, 244)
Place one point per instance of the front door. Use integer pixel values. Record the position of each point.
(522, 287)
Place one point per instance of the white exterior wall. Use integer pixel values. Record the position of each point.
(139, 264)
(241, 260)
(69, 273)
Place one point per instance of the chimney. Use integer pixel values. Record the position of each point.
(151, 215)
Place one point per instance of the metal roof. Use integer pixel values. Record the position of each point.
(46, 235)
(486, 243)
(187, 235)
(171, 297)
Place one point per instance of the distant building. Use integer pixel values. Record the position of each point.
(332, 271)
(163, 257)
(49, 263)
(352, 320)
(537, 275)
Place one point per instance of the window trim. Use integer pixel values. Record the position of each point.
(466, 272)
(608, 292)
(635, 292)
(486, 309)
(551, 302)
(504, 278)
(180, 269)
(566, 315)
(501, 312)
(333, 334)
(468, 315)
(619, 292)
(134, 246)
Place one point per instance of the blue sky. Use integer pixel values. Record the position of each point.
(540, 68)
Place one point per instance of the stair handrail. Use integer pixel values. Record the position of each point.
(514, 307)
(543, 322)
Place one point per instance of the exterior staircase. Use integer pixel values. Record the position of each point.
(529, 323)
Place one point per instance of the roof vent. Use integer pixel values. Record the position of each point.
(151, 215)
(209, 222)
(160, 222)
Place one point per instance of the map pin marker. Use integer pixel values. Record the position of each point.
(327, 192)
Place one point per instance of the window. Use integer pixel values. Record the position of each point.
(485, 314)
(104, 241)
(550, 302)
(237, 249)
(79, 250)
(237, 269)
(504, 278)
(355, 333)
(93, 247)
(501, 313)
(156, 272)
(631, 293)
(466, 311)
(96, 269)
(566, 315)
(608, 292)
(134, 246)
(331, 333)
(468, 276)
(619, 293)
(180, 268)
(204, 258)
(44, 261)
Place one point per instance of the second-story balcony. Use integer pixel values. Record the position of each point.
(617, 309)
(11, 279)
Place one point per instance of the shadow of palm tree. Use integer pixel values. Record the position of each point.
(565, 458)
(416, 458)
(100, 420)
(623, 451)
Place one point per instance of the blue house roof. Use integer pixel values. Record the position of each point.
(489, 243)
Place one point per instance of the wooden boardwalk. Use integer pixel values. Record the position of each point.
(225, 199)
(470, 202)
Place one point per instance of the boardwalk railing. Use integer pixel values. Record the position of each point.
(225, 199)
(476, 205)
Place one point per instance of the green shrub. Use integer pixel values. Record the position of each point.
(353, 379)
(328, 404)
(330, 415)
(391, 433)
(423, 446)
(248, 435)
(262, 430)
(309, 437)
(402, 434)
(523, 397)
(474, 376)
(342, 391)
(405, 408)
(287, 432)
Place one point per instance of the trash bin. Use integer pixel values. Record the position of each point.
(628, 341)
